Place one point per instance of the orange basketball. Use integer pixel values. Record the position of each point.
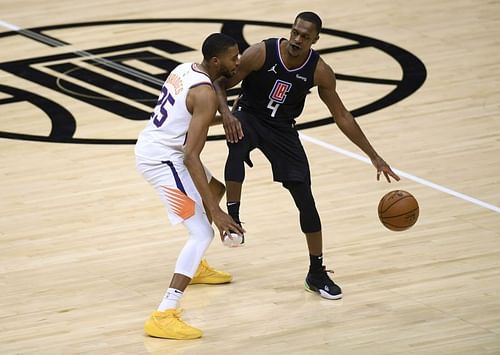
(398, 210)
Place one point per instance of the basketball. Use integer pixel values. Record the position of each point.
(232, 240)
(398, 210)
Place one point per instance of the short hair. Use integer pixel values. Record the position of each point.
(311, 17)
(215, 44)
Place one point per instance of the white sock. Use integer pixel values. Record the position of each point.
(170, 300)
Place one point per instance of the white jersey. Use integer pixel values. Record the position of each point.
(164, 136)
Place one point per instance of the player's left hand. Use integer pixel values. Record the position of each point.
(232, 128)
(225, 224)
(383, 167)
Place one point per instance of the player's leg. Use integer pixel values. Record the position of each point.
(205, 274)
(166, 321)
(234, 170)
(234, 174)
(310, 222)
(184, 204)
(317, 279)
(290, 166)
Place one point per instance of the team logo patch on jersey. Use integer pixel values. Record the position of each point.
(278, 93)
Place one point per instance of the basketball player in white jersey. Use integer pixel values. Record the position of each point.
(168, 156)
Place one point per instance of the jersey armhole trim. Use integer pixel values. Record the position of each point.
(202, 83)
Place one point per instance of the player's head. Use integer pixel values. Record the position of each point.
(305, 32)
(310, 17)
(220, 52)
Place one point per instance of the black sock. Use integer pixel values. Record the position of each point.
(316, 263)
(233, 209)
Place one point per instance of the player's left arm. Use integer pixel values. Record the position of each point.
(217, 120)
(324, 78)
(202, 103)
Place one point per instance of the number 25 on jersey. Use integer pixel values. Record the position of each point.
(160, 113)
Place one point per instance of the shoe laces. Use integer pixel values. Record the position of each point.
(330, 271)
(177, 314)
(204, 266)
(174, 312)
(324, 270)
(323, 274)
(171, 313)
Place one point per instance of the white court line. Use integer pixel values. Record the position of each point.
(401, 173)
(85, 54)
(9, 26)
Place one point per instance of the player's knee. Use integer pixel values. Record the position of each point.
(301, 193)
(239, 150)
(235, 163)
(200, 237)
(203, 232)
(200, 229)
(310, 221)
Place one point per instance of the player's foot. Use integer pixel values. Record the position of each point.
(169, 325)
(208, 275)
(321, 283)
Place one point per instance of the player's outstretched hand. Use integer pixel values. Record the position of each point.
(383, 167)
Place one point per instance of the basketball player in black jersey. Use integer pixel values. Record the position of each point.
(277, 75)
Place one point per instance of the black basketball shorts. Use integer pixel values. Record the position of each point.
(281, 146)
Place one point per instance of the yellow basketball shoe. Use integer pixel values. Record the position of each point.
(208, 275)
(169, 325)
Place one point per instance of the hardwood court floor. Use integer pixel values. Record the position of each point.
(86, 249)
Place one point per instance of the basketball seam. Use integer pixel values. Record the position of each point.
(395, 226)
(392, 204)
(399, 215)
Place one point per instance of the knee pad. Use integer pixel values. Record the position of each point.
(239, 153)
(304, 200)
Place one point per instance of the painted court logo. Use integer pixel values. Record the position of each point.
(123, 79)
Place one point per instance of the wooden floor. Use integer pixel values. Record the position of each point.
(86, 250)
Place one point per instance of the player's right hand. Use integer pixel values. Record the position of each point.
(383, 167)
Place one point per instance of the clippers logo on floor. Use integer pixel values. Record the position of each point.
(120, 80)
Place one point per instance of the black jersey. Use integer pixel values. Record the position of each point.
(274, 92)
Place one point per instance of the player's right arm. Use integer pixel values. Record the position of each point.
(251, 60)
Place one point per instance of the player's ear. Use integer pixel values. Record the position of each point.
(316, 39)
(215, 60)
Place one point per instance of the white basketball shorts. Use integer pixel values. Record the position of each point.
(173, 183)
